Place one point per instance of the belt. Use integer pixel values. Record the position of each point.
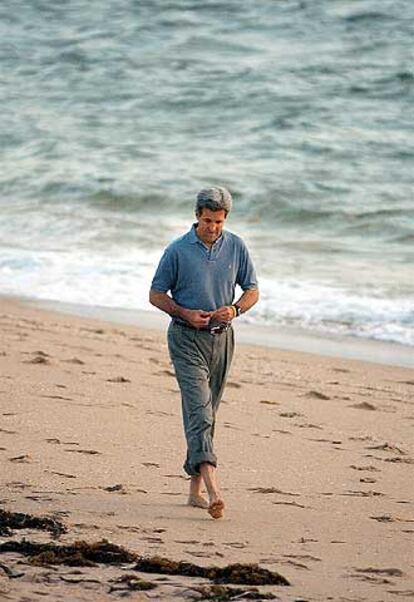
(211, 329)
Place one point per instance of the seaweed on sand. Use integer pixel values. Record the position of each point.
(132, 583)
(20, 520)
(80, 553)
(242, 574)
(222, 593)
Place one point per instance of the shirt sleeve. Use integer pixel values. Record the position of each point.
(166, 272)
(246, 275)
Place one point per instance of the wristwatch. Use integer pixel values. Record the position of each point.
(238, 310)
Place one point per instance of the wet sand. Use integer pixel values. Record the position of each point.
(316, 464)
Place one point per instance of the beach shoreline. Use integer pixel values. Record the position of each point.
(284, 338)
(315, 460)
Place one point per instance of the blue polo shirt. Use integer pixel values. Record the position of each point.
(204, 278)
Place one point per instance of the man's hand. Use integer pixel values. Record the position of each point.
(223, 314)
(197, 317)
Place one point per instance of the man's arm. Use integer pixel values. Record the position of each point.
(196, 317)
(249, 298)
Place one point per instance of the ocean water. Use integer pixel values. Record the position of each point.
(114, 114)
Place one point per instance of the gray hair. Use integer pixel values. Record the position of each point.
(216, 198)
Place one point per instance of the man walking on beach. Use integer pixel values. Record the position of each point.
(200, 270)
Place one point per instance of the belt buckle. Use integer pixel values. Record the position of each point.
(218, 329)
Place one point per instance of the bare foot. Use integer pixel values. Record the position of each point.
(216, 508)
(198, 501)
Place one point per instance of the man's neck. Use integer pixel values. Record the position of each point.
(208, 243)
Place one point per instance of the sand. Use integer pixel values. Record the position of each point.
(315, 457)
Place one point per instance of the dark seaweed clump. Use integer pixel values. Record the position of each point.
(20, 520)
(131, 583)
(242, 574)
(80, 553)
(222, 593)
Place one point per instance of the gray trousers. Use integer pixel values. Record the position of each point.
(201, 361)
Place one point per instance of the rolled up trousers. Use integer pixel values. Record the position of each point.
(201, 361)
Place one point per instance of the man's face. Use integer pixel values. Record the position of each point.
(210, 225)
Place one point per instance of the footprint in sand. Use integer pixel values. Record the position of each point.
(74, 360)
(94, 330)
(269, 403)
(155, 360)
(363, 493)
(60, 397)
(199, 554)
(364, 405)
(322, 440)
(39, 498)
(166, 372)
(267, 490)
(118, 488)
(156, 540)
(400, 460)
(233, 385)
(118, 379)
(295, 504)
(388, 447)
(129, 528)
(290, 414)
(309, 425)
(17, 485)
(56, 441)
(295, 564)
(238, 545)
(376, 575)
(38, 359)
(62, 474)
(387, 518)
(308, 557)
(228, 425)
(90, 452)
(317, 395)
(24, 459)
